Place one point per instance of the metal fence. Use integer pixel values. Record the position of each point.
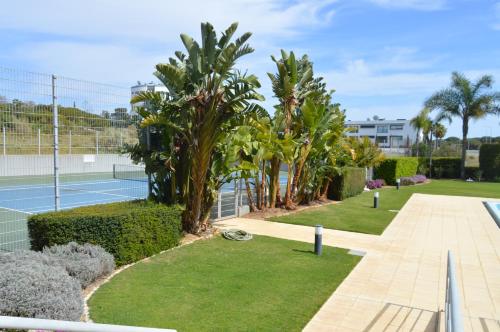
(60, 139)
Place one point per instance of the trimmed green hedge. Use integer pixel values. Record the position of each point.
(489, 161)
(129, 231)
(350, 182)
(444, 167)
(395, 168)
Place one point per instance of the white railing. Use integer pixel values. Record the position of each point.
(7, 322)
(453, 312)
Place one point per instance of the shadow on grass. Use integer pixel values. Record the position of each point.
(304, 251)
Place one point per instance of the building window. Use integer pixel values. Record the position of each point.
(397, 126)
(397, 141)
(381, 140)
(367, 126)
(382, 129)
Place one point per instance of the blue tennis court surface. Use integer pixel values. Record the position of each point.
(35, 198)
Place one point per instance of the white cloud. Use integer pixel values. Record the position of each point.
(161, 20)
(426, 5)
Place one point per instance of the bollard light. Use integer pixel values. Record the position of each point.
(398, 183)
(375, 199)
(318, 240)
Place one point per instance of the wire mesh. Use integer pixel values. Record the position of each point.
(95, 122)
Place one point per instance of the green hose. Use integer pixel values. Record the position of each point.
(236, 235)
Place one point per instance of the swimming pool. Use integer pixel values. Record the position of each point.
(494, 210)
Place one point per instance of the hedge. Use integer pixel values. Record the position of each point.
(489, 161)
(350, 182)
(129, 231)
(444, 167)
(395, 168)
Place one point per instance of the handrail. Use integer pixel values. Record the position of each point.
(7, 322)
(453, 312)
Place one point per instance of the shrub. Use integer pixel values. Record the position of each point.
(394, 168)
(350, 182)
(32, 288)
(411, 180)
(85, 262)
(489, 160)
(443, 167)
(129, 231)
(375, 184)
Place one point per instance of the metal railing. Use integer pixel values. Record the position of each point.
(453, 312)
(7, 322)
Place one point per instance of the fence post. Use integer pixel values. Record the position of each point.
(4, 141)
(39, 142)
(148, 146)
(236, 195)
(55, 116)
(219, 204)
(96, 142)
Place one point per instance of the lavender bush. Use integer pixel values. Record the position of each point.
(32, 288)
(374, 184)
(85, 262)
(411, 180)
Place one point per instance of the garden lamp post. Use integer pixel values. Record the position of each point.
(398, 183)
(375, 199)
(318, 240)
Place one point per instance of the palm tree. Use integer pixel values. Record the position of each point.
(207, 98)
(421, 122)
(439, 131)
(466, 100)
(288, 86)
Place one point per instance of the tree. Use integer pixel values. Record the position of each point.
(421, 122)
(466, 100)
(207, 98)
(365, 153)
(289, 85)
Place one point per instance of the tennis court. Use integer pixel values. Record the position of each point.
(21, 197)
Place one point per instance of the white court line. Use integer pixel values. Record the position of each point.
(10, 188)
(9, 209)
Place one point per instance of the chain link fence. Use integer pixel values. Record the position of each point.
(60, 147)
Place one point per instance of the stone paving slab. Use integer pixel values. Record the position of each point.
(400, 284)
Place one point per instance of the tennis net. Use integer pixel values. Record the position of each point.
(130, 172)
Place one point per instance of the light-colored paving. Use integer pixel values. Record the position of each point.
(400, 284)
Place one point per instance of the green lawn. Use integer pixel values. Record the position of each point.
(265, 284)
(356, 214)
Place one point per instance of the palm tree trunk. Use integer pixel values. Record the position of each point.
(465, 130)
(257, 191)
(274, 182)
(263, 186)
(288, 194)
(251, 202)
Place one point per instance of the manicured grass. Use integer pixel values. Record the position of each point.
(356, 214)
(265, 284)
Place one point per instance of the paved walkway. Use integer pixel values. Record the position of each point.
(400, 284)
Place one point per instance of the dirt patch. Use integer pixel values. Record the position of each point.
(276, 212)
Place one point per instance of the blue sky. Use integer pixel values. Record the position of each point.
(383, 57)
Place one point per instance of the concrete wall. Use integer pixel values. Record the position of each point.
(29, 165)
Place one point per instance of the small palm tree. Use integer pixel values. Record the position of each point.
(421, 122)
(466, 100)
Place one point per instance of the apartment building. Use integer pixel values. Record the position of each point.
(143, 87)
(394, 137)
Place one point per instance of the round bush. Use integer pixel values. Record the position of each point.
(85, 262)
(31, 288)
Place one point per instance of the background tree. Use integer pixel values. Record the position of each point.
(421, 122)
(466, 100)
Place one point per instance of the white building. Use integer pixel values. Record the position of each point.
(394, 137)
(143, 87)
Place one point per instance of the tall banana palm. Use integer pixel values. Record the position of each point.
(207, 98)
(289, 86)
(466, 100)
